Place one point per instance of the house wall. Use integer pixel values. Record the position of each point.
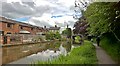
(16, 28)
(6, 29)
(0, 25)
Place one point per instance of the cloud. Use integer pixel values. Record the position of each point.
(22, 9)
(39, 23)
(40, 11)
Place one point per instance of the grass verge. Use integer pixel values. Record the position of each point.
(85, 54)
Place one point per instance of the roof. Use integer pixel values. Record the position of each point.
(54, 28)
(3, 19)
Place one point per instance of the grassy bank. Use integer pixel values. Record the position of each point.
(111, 46)
(85, 54)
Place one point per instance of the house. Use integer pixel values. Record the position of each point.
(11, 27)
(54, 29)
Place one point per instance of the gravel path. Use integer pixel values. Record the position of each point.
(103, 57)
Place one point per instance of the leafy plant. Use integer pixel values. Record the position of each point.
(103, 17)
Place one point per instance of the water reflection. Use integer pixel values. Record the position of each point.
(29, 53)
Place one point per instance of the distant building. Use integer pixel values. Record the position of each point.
(54, 29)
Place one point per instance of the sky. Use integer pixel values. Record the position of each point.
(41, 12)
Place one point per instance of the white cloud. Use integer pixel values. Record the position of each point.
(67, 3)
(41, 11)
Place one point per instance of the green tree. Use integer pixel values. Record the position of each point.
(57, 35)
(103, 17)
(67, 32)
(52, 36)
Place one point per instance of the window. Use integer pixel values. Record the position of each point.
(21, 27)
(1, 32)
(8, 32)
(9, 25)
(31, 28)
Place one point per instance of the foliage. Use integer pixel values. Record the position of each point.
(84, 54)
(57, 35)
(67, 32)
(104, 20)
(52, 36)
(103, 17)
(80, 26)
(49, 36)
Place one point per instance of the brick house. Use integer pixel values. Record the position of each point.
(12, 27)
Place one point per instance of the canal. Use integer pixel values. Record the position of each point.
(27, 54)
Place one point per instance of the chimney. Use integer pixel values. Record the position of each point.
(67, 25)
(44, 26)
(55, 25)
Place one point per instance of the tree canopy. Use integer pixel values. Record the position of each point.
(103, 17)
(67, 32)
(80, 26)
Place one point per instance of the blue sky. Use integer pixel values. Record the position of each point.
(22, 19)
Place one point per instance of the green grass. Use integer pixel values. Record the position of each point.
(85, 54)
(112, 47)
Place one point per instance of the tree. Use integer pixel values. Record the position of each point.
(103, 17)
(67, 32)
(52, 36)
(57, 35)
(80, 26)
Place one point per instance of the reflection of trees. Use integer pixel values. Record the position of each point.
(67, 46)
(53, 45)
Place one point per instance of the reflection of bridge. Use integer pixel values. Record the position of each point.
(75, 35)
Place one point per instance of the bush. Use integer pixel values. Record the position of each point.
(49, 36)
(52, 36)
(57, 35)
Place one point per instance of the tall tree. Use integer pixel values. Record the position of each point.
(103, 17)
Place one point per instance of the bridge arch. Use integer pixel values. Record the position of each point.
(77, 39)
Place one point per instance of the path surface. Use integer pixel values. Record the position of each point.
(103, 57)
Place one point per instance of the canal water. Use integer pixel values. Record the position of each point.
(27, 54)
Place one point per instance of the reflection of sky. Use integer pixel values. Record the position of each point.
(44, 56)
